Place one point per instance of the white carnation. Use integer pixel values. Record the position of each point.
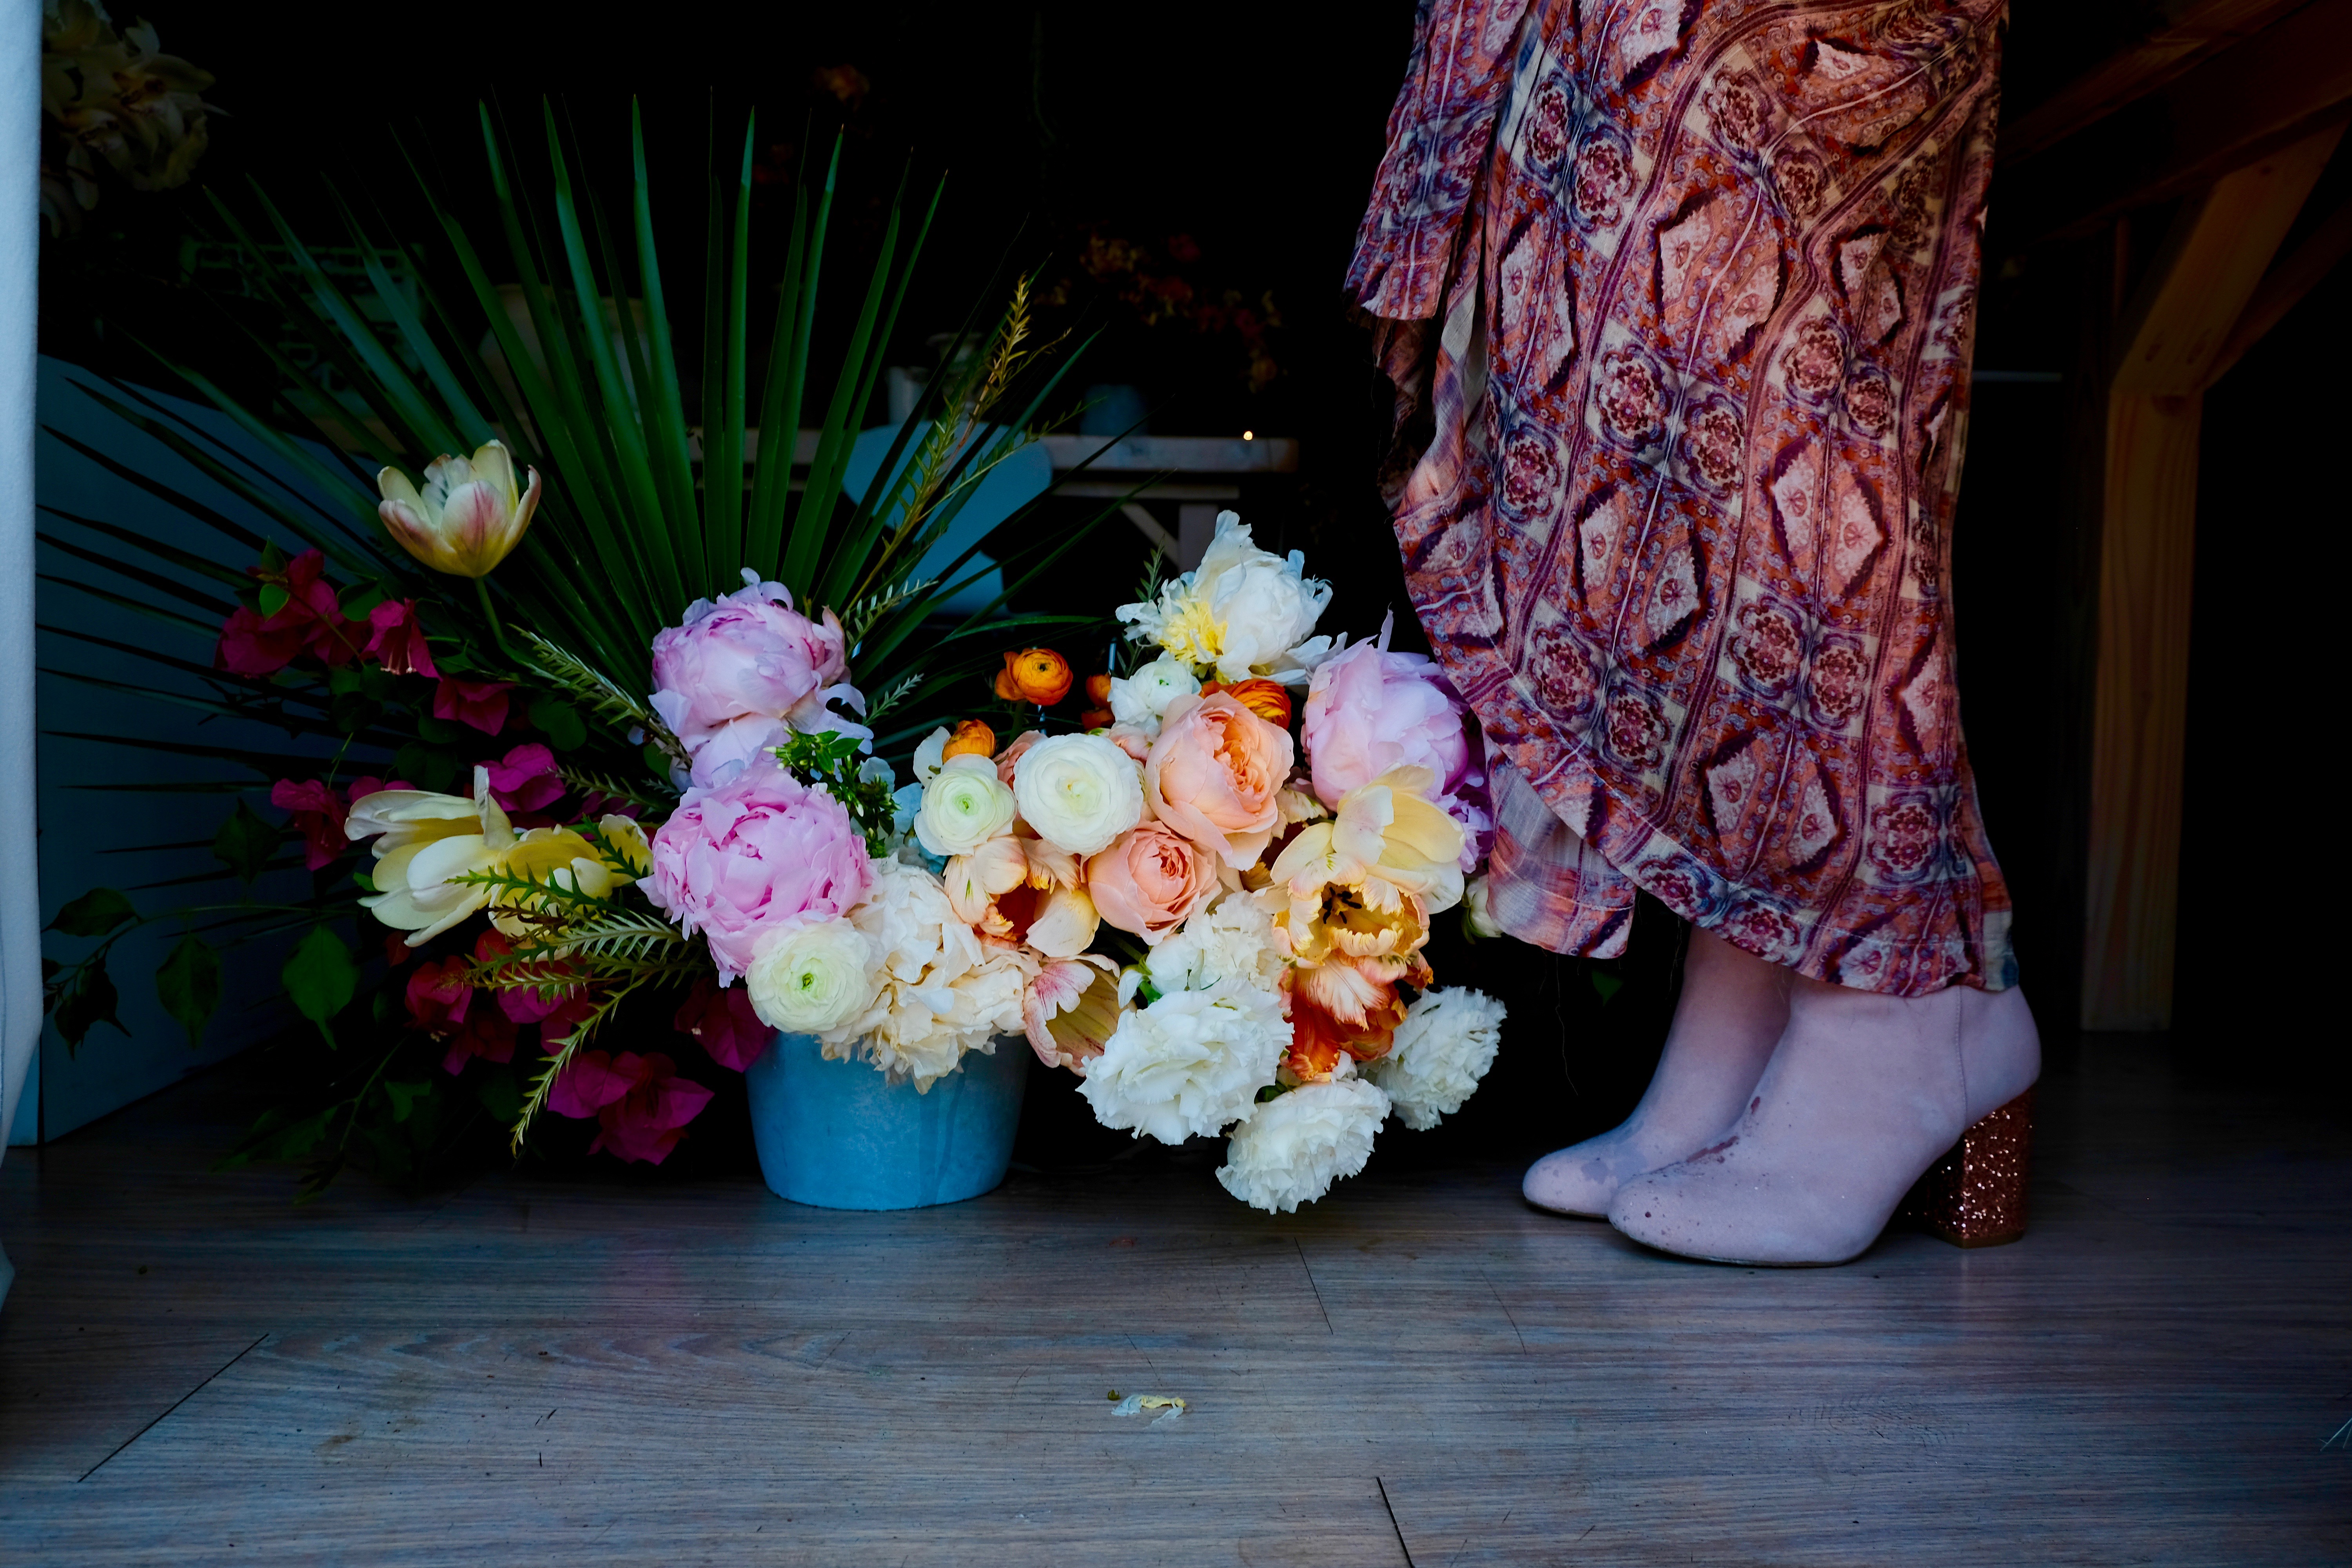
(812, 977)
(1233, 939)
(1190, 1063)
(1079, 791)
(965, 805)
(1442, 1048)
(938, 994)
(1295, 1145)
(1141, 698)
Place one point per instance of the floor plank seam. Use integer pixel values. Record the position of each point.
(1309, 1269)
(1392, 1521)
(174, 1405)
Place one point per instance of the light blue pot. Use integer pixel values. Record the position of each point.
(840, 1135)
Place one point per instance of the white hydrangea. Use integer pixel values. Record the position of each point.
(1296, 1145)
(1188, 1064)
(939, 992)
(1442, 1048)
(1233, 939)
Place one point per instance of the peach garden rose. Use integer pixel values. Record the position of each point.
(1214, 773)
(1151, 880)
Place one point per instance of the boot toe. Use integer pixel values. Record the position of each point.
(1709, 1213)
(1575, 1181)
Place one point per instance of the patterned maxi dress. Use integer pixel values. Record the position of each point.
(1678, 296)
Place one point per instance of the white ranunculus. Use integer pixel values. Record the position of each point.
(1442, 1048)
(1079, 791)
(1188, 1064)
(965, 805)
(1141, 697)
(813, 977)
(1233, 939)
(1295, 1145)
(938, 994)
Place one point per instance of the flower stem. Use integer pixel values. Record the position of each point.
(498, 631)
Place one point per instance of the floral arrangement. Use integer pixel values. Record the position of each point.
(1208, 895)
(1216, 897)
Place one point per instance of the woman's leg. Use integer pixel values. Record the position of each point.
(1733, 1008)
(1863, 1094)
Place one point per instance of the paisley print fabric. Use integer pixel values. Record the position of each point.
(1678, 296)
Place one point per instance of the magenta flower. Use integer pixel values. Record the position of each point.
(759, 852)
(481, 703)
(738, 672)
(396, 639)
(643, 1104)
(311, 620)
(723, 1021)
(523, 1005)
(489, 1034)
(526, 780)
(318, 815)
(439, 995)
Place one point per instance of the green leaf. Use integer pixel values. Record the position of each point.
(321, 978)
(189, 986)
(501, 1096)
(278, 1135)
(246, 843)
(95, 913)
(560, 722)
(438, 731)
(88, 1002)
(365, 883)
(1606, 985)
(428, 768)
(404, 1095)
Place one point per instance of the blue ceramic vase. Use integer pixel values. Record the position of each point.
(840, 1135)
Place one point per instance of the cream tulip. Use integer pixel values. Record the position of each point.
(468, 517)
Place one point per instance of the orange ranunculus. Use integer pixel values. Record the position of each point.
(1037, 675)
(1266, 699)
(971, 739)
(1098, 690)
(1095, 719)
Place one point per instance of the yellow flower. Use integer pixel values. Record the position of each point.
(1386, 840)
(424, 841)
(1193, 634)
(467, 518)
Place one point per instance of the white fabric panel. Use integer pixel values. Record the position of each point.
(20, 250)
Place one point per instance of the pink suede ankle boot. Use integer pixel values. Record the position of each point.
(1733, 1008)
(1864, 1095)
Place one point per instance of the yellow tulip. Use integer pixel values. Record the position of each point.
(468, 517)
(426, 840)
(1387, 839)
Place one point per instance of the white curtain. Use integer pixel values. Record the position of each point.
(20, 250)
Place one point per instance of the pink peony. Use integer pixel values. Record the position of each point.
(738, 672)
(1369, 710)
(396, 639)
(759, 852)
(1215, 774)
(723, 1022)
(481, 703)
(1151, 880)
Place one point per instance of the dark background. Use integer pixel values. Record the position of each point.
(1251, 131)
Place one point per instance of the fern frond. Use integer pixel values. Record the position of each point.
(651, 796)
(606, 700)
(865, 612)
(891, 696)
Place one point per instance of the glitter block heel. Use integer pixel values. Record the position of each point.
(1975, 1195)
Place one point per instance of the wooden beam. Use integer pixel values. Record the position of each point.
(2284, 286)
(2171, 339)
(2187, 32)
(2279, 86)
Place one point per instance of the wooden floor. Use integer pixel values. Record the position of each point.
(1421, 1371)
